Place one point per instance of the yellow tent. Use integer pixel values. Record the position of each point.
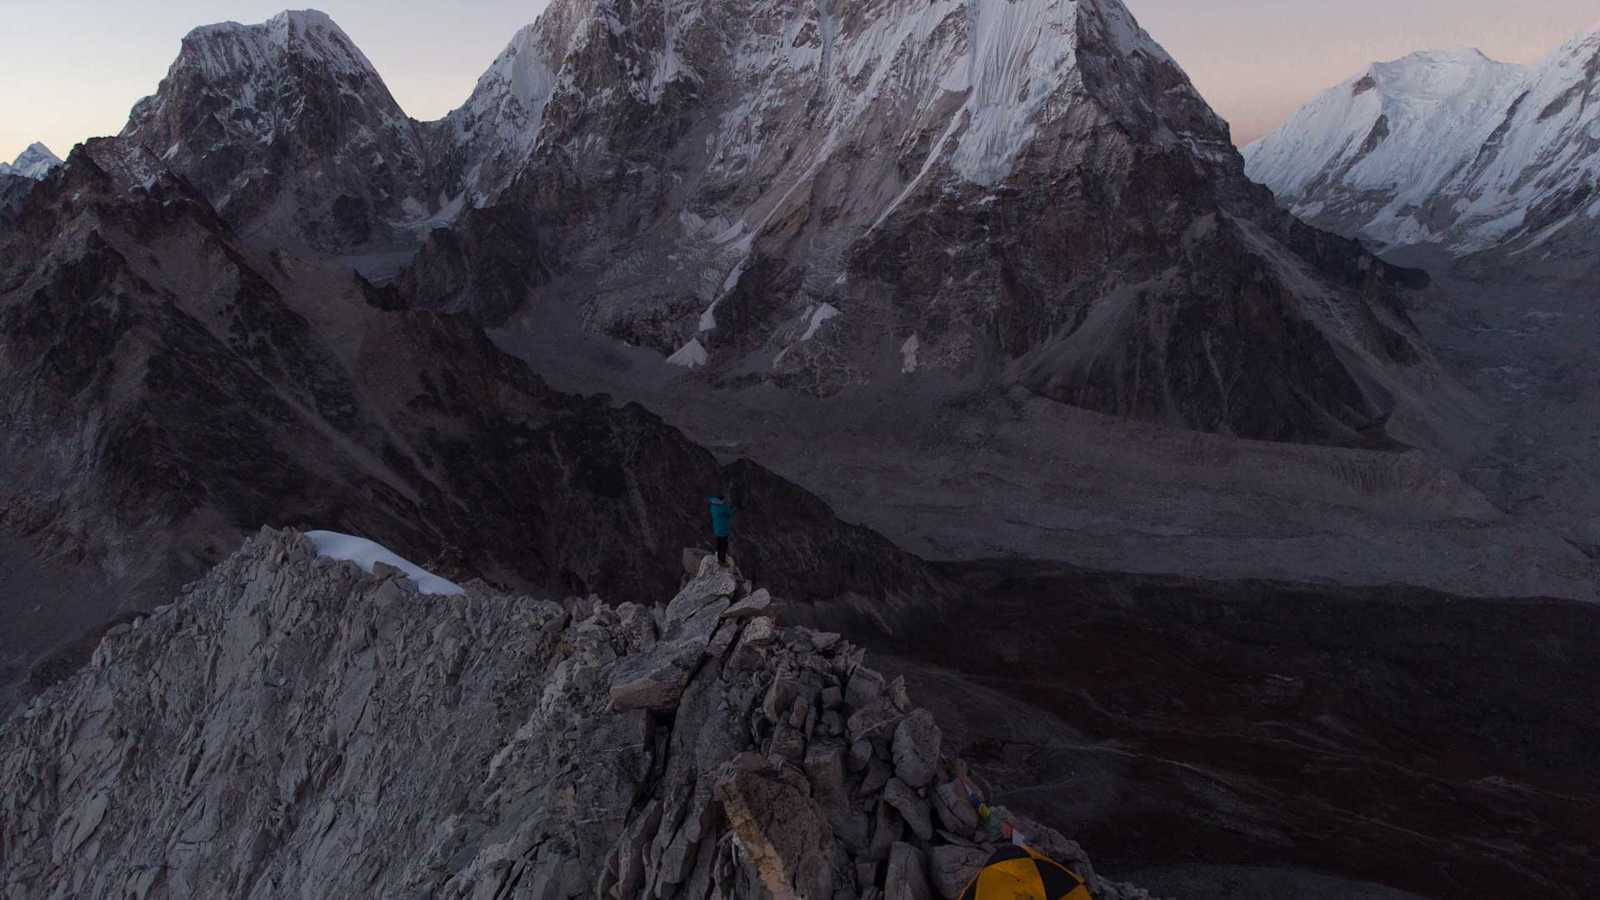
(1019, 873)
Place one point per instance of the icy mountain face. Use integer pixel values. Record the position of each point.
(1453, 150)
(34, 162)
(292, 726)
(290, 133)
(481, 145)
(764, 191)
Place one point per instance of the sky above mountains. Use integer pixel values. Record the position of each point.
(73, 68)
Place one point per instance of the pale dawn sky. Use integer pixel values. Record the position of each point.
(71, 69)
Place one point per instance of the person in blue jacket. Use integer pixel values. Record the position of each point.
(721, 525)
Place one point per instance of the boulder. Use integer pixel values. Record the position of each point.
(655, 679)
(878, 775)
(713, 584)
(693, 557)
(832, 696)
(912, 808)
(954, 808)
(907, 875)
(783, 694)
(759, 603)
(722, 639)
(782, 834)
(898, 695)
(952, 868)
(824, 765)
(860, 755)
(866, 874)
(916, 748)
(751, 652)
(876, 722)
(887, 828)
(788, 743)
(864, 688)
(831, 724)
(635, 629)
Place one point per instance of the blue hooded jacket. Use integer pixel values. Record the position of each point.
(721, 516)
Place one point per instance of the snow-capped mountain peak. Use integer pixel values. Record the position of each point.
(1449, 148)
(227, 47)
(35, 162)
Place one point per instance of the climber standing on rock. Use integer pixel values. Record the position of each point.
(721, 524)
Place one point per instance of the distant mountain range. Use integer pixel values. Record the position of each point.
(1493, 163)
(797, 197)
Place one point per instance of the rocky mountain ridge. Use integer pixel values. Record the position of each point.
(167, 391)
(345, 735)
(1490, 162)
(817, 199)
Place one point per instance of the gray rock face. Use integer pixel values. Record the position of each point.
(951, 868)
(291, 134)
(1060, 198)
(782, 832)
(916, 748)
(293, 727)
(713, 583)
(907, 878)
(913, 809)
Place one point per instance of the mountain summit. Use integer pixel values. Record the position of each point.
(35, 162)
(1451, 149)
(290, 133)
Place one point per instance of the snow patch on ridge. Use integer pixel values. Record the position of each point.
(691, 355)
(818, 316)
(365, 554)
(908, 355)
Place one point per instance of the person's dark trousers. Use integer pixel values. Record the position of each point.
(722, 551)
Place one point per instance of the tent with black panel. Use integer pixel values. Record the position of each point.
(1020, 873)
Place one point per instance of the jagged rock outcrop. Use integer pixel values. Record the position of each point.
(1494, 163)
(823, 196)
(13, 188)
(291, 134)
(293, 726)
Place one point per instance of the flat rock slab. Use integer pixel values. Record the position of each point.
(656, 679)
(713, 584)
(759, 603)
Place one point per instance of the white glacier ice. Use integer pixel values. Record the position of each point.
(365, 553)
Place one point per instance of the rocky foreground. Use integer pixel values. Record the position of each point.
(292, 726)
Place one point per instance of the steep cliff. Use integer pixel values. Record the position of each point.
(822, 196)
